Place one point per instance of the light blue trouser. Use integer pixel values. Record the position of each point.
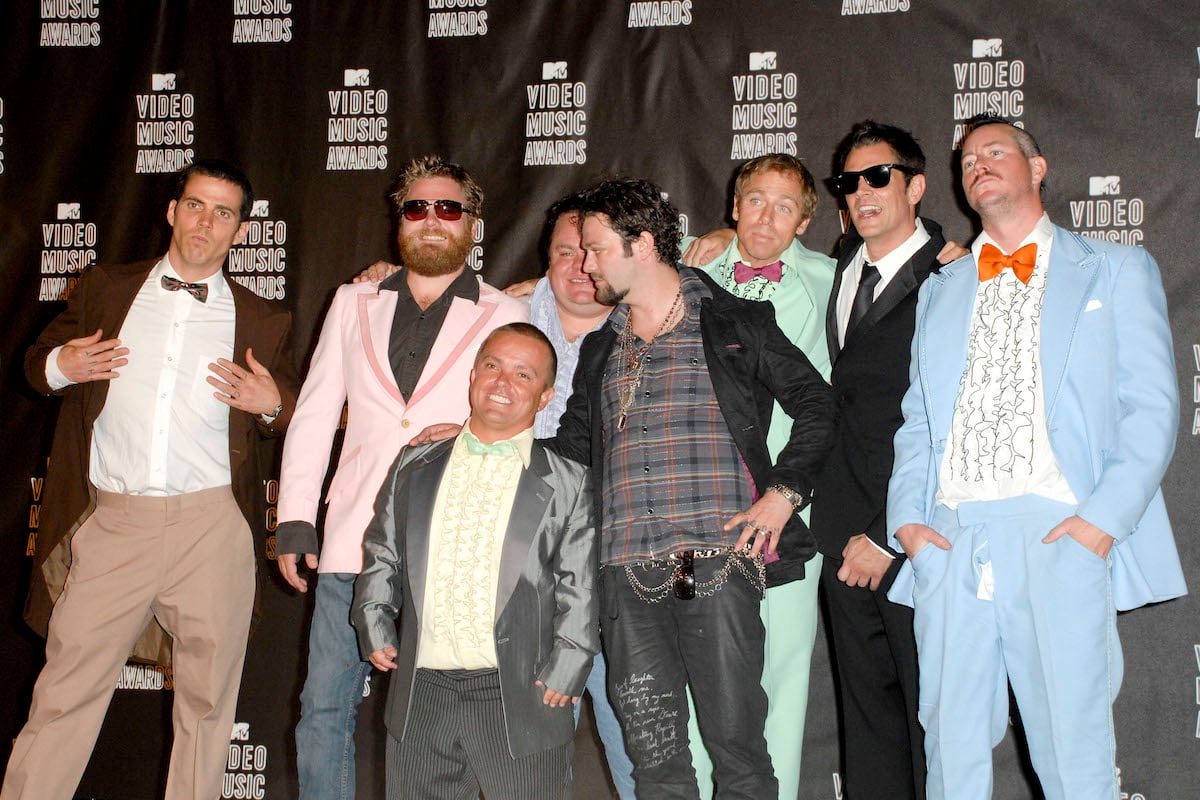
(1050, 630)
(789, 614)
(332, 692)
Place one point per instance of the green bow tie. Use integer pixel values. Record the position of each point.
(478, 448)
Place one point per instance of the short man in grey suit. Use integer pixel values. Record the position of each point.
(489, 540)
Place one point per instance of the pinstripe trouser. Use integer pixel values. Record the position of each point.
(456, 745)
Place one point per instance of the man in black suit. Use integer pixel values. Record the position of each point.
(869, 326)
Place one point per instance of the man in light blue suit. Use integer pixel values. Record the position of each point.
(1040, 420)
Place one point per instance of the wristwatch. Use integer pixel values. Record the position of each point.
(269, 418)
(789, 494)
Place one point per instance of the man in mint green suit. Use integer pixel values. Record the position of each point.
(1042, 414)
(774, 200)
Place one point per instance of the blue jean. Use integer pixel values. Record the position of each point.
(332, 691)
(620, 768)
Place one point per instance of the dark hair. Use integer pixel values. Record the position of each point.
(531, 332)
(635, 206)
(432, 166)
(788, 165)
(221, 170)
(1025, 141)
(570, 204)
(868, 132)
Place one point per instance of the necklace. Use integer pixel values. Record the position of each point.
(631, 364)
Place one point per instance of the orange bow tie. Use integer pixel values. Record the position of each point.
(992, 262)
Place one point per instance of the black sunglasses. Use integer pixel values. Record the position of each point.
(877, 177)
(685, 577)
(417, 210)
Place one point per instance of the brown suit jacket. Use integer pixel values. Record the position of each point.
(101, 300)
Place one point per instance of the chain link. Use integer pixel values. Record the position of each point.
(708, 588)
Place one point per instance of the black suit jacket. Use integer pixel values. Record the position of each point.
(869, 377)
(751, 365)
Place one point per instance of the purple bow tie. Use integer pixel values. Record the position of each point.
(742, 272)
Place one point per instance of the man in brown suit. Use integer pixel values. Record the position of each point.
(150, 490)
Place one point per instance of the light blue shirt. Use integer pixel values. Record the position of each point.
(543, 313)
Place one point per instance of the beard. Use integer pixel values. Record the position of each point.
(433, 262)
(609, 296)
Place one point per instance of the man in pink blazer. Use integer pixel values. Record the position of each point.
(400, 353)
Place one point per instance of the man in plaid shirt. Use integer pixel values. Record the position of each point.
(671, 406)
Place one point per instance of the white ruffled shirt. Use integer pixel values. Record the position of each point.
(999, 446)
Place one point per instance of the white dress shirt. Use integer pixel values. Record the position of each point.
(888, 266)
(999, 446)
(162, 432)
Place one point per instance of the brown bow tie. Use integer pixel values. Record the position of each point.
(992, 262)
(196, 290)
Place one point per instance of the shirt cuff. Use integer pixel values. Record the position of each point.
(878, 547)
(295, 537)
(54, 376)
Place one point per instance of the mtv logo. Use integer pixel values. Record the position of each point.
(987, 48)
(162, 81)
(261, 208)
(68, 210)
(1104, 184)
(554, 70)
(356, 77)
(764, 60)
(241, 732)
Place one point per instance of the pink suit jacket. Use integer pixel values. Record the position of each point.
(351, 364)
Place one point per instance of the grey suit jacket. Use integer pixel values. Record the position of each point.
(546, 615)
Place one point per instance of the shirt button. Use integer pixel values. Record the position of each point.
(647, 393)
(646, 468)
(695, 362)
(644, 429)
(650, 511)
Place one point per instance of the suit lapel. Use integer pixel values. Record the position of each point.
(533, 495)
(943, 351)
(422, 486)
(1069, 281)
(831, 326)
(463, 323)
(375, 314)
(898, 288)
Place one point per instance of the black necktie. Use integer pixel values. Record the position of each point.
(196, 290)
(864, 296)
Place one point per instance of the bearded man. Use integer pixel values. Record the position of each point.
(399, 353)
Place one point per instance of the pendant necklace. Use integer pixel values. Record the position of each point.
(631, 364)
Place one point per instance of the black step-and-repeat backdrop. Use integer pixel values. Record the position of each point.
(322, 102)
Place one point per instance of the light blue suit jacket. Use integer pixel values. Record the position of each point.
(1112, 403)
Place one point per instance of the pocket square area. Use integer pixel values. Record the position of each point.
(1092, 305)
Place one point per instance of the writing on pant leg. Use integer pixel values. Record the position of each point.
(652, 724)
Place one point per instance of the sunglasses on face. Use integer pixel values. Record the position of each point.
(685, 577)
(417, 210)
(876, 177)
